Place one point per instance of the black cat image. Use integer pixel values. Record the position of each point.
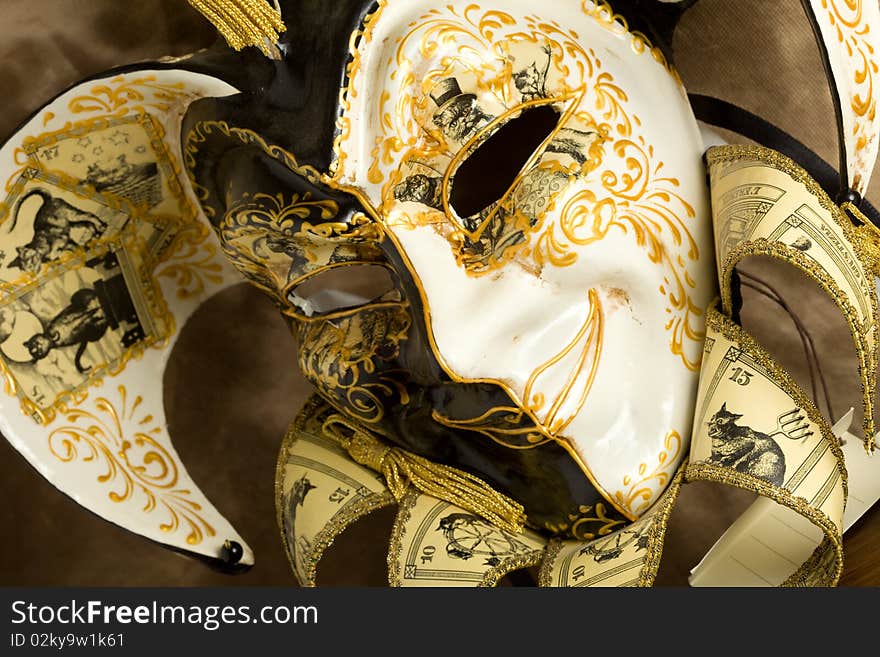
(80, 323)
(744, 449)
(86, 319)
(58, 227)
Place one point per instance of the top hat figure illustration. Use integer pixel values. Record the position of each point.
(458, 114)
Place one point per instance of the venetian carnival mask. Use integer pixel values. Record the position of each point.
(534, 195)
(489, 228)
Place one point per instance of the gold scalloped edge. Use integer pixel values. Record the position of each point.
(657, 532)
(510, 564)
(551, 553)
(658, 517)
(811, 571)
(777, 250)
(868, 356)
(732, 331)
(398, 530)
(704, 471)
(290, 437)
(783, 163)
(339, 522)
(395, 548)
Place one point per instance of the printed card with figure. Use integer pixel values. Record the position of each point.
(122, 159)
(782, 441)
(48, 224)
(78, 322)
(94, 209)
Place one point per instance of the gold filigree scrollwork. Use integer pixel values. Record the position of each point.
(849, 24)
(588, 523)
(341, 357)
(639, 491)
(268, 238)
(116, 96)
(847, 18)
(641, 202)
(626, 188)
(125, 441)
(192, 266)
(273, 211)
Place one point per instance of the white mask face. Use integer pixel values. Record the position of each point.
(542, 178)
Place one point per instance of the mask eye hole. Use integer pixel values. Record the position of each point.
(340, 288)
(484, 177)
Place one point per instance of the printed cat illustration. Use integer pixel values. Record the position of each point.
(532, 82)
(58, 227)
(81, 322)
(744, 449)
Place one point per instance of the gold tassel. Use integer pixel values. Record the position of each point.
(243, 22)
(402, 468)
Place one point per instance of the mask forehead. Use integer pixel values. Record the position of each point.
(585, 278)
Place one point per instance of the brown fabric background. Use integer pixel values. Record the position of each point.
(232, 387)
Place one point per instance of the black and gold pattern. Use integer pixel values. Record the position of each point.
(374, 364)
(287, 224)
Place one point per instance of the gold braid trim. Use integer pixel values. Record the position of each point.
(868, 236)
(341, 520)
(551, 553)
(402, 469)
(829, 554)
(243, 22)
(862, 239)
(657, 532)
